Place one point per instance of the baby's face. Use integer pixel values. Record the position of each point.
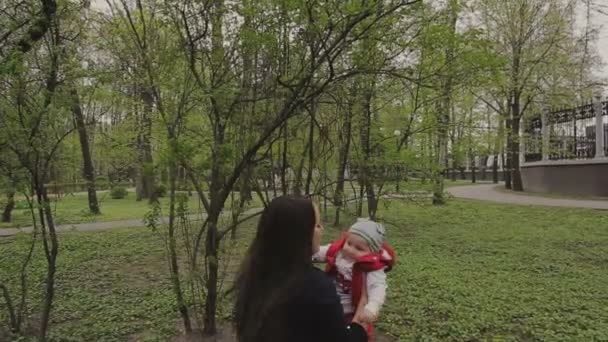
(355, 247)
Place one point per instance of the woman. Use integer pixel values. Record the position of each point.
(280, 295)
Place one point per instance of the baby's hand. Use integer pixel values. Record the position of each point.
(365, 317)
(369, 316)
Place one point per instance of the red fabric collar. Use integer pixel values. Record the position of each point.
(367, 263)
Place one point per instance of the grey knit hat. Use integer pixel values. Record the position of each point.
(372, 232)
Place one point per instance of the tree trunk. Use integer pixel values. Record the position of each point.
(211, 241)
(443, 113)
(507, 165)
(174, 266)
(366, 175)
(495, 169)
(372, 202)
(40, 177)
(8, 208)
(88, 168)
(345, 138)
(514, 180)
(14, 327)
(24, 273)
(324, 186)
(245, 186)
(311, 150)
(211, 254)
(515, 169)
(146, 187)
(438, 174)
(297, 184)
(217, 193)
(248, 111)
(360, 202)
(498, 146)
(235, 215)
(272, 183)
(473, 172)
(51, 249)
(284, 163)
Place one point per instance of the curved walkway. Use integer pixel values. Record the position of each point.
(488, 192)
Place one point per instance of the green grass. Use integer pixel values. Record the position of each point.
(111, 285)
(460, 182)
(416, 185)
(472, 271)
(74, 209)
(467, 271)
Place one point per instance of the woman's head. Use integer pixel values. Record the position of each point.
(286, 230)
(289, 232)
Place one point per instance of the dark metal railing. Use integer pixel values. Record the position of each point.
(572, 133)
(585, 147)
(533, 157)
(534, 151)
(560, 148)
(571, 148)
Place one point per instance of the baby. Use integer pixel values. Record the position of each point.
(359, 262)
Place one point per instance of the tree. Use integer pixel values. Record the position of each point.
(36, 120)
(444, 105)
(88, 168)
(317, 41)
(526, 33)
(20, 32)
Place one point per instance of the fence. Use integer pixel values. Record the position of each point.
(569, 134)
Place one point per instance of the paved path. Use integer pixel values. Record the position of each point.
(98, 226)
(488, 192)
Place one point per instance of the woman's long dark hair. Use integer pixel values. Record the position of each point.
(278, 258)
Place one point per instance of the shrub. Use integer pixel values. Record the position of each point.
(118, 192)
(101, 179)
(160, 190)
(21, 205)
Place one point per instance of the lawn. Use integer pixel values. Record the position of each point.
(416, 184)
(73, 208)
(467, 271)
(475, 271)
(110, 285)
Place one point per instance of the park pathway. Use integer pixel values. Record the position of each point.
(481, 192)
(99, 226)
(490, 193)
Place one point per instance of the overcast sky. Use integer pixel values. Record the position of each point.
(602, 44)
(599, 21)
